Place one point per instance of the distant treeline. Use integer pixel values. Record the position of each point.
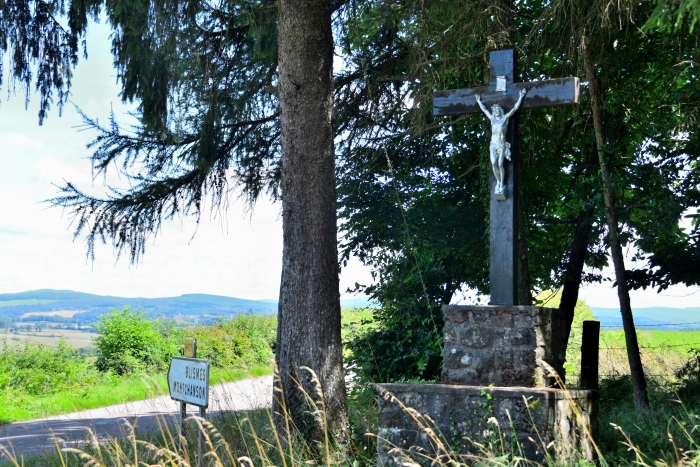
(13, 307)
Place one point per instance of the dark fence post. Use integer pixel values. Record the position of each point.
(589, 354)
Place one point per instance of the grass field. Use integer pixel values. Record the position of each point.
(663, 352)
(109, 391)
(105, 392)
(79, 339)
(43, 374)
(61, 313)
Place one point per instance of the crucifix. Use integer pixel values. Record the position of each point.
(505, 97)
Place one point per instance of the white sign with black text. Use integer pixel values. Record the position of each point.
(188, 380)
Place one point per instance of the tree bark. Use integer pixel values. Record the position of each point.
(308, 332)
(574, 267)
(639, 384)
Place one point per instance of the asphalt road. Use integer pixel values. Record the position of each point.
(35, 437)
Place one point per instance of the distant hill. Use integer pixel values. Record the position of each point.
(15, 305)
(656, 317)
(362, 302)
(200, 305)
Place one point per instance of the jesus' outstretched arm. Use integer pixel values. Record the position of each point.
(517, 104)
(483, 108)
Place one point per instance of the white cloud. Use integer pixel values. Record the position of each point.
(54, 172)
(19, 141)
(245, 262)
(605, 295)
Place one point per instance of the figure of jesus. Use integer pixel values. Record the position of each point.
(499, 148)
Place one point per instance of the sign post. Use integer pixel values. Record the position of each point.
(188, 381)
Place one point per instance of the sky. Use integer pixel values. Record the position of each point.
(238, 254)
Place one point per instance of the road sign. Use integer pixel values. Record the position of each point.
(188, 380)
(190, 349)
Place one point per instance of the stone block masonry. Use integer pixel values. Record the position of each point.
(503, 346)
(460, 416)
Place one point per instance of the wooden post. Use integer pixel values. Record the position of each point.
(200, 439)
(183, 416)
(189, 350)
(589, 354)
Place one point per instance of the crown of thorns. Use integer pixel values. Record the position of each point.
(496, 106)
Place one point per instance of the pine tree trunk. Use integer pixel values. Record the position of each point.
(308, 332)
(639, 384)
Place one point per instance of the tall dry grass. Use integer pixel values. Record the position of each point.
(250, 439)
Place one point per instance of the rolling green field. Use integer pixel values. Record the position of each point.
(652, 338)
(85, 386)
(43, 373)
(663, 352)
(79, 339)
(61, 313)
(102, 392)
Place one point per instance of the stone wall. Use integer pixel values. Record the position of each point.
(502, 346)
(462, 415)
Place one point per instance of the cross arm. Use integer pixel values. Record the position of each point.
(539, 94)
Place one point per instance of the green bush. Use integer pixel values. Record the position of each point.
(405, 344)
(130, 343)
(36, 369)
(582, 313)
(243, 340)
(668, 417)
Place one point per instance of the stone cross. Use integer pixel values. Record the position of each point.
(503, 91)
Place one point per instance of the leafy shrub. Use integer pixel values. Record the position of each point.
(36, 369)
(688, 386)
(406, 347)
(582, 313)
(406, 343)
(130, 343)
(666, 418)
(245, 339)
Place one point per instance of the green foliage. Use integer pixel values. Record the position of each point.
(131, 364)
(39, 370)
(406, 343)
(355, 322)
(204, 78)
(689, 376)
(130, 343)
(402, 350)
(673, 15)
(668, 416)
(238, 342)
(582, 312)
(44, 51)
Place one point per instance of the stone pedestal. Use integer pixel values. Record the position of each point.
(503, 346)
(497, 388)
(460, 416)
